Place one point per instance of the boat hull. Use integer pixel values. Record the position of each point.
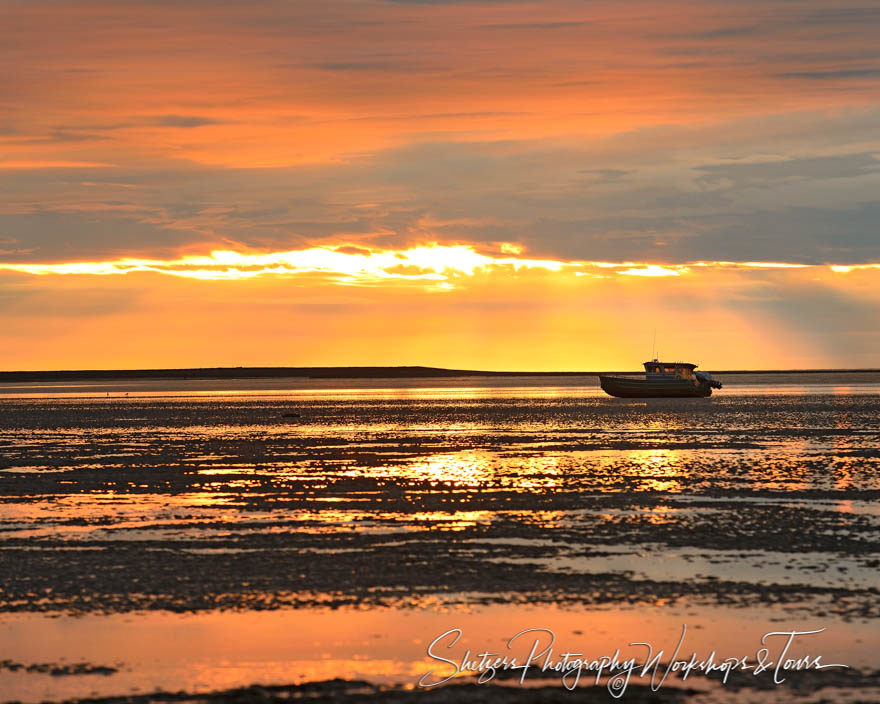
(624, 387)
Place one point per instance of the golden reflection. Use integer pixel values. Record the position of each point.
(660, 515)
(329, 520)
(536, 472)
(208, 675)
(844, 506)
(226, 649)
(229, 469)
(790, 474)
(463, 469)
(472, 469)
(460, 469)
(842, 444)
(549, 519)
(657, 469)
(454, 521)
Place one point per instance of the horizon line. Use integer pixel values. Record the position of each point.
(341, 372)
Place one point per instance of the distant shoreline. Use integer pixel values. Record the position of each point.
(410, 372)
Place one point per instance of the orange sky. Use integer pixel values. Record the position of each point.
(405, 182)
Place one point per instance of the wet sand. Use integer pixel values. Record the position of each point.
(615, 520)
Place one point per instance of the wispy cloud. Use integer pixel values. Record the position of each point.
(32, 165)
(833, 74)
(536, 25)
(182, 121)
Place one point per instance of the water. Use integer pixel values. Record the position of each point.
(429, 387)
(299, 530)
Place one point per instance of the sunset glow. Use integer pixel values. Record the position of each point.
(340, 336)
(351, 265)
(451, 174)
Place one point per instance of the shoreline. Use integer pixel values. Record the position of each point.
(404, 372)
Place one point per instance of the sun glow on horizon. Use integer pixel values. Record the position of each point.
(434, 265)
(432, 262)
(654, 270)
(845, 269)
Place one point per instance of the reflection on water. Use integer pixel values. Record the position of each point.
(473, 387)
(86, 466)
(657, 469)
(425, 508)
(226, 650)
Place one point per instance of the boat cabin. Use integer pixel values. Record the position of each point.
(664, 370)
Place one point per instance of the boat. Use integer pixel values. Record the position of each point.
(662, 380)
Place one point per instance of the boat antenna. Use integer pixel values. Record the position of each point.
(654, 345)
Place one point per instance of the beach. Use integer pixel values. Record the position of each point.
(274, 539)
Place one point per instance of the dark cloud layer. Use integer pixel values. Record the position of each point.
(569, 127)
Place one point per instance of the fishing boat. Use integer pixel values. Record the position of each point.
(662, 380)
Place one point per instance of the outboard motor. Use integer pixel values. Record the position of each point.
(706, 378)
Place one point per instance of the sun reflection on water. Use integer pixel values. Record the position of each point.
(466, 469)
(656, 469)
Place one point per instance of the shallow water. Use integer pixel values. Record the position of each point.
(841, 382)
(401, 507)
(217, 650)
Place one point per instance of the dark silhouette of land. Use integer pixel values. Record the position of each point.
(334, 373)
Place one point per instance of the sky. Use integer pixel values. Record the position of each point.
(492, 185)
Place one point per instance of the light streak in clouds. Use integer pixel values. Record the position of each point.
(845, 269)
(654, 270)
(433, 265)
(429, 263)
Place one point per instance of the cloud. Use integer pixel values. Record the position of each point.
(854, 15)
(605, 174)
(455, 2)
(433, 264)
(832, 75)
(104, 228)
(391, 124)
(660, 197)
(30, 165)
(654, 137)
(348, 66)
(182, 121)
(730, 31)
(806, 168)
(535, 25)
(490, 323)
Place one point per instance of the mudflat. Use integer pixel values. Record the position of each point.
(313, 542)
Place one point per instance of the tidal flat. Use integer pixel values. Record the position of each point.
(269, 542)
